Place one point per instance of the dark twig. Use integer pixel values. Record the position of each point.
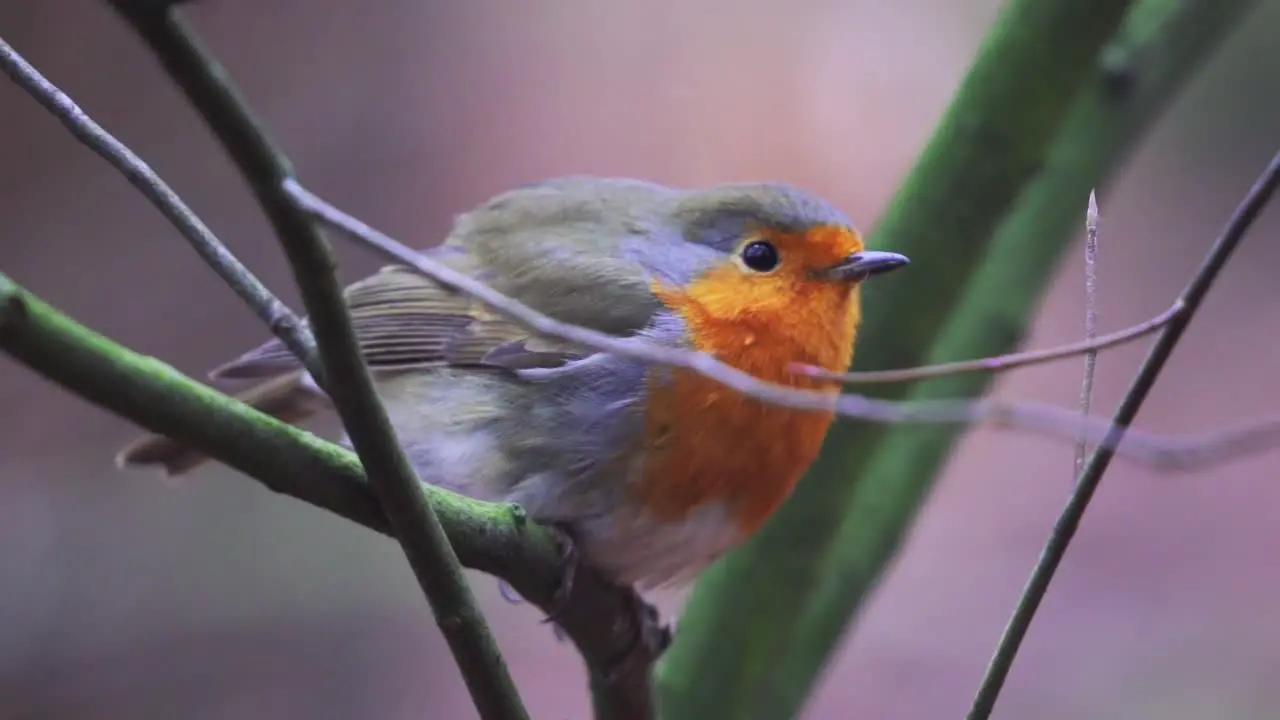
(346, 379)
(283, 322)
(1064, 529)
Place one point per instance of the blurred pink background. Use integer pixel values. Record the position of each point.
(124, 597)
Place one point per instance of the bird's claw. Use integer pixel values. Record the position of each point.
(653, 637)
(570, 559)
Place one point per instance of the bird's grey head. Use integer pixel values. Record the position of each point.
(720, 217)
(697, 230)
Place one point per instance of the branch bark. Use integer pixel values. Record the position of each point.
(1044, 116)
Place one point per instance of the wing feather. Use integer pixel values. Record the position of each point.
(405, 321)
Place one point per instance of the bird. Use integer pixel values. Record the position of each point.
(654, 472)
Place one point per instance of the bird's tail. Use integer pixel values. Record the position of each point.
(285, 398)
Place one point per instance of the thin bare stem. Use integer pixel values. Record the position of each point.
(345, 378)
(1163, 453)
(1090, 319)
(283, 322)
(1065, 527)
(998, 362)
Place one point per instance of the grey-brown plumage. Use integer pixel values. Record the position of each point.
(485, 408)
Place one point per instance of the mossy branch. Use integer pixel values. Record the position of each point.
(1058, 96)
(493, 538)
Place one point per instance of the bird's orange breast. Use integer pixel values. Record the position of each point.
(708, 443)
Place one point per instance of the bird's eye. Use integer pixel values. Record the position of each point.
(760, 256)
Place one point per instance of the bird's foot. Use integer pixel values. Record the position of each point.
(570, 559)
(653, 637)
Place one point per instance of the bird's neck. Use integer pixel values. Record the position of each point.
(710, 443)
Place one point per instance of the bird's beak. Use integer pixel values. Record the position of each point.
(862, 265)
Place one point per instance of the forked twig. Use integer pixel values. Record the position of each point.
(1090, 319)
(284, 324)
(1069, 520)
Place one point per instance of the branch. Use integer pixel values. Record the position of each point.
(346, 379)
(1065, 528)
(999, 362)
(496, 539)
(283, 322)
(1005, 175)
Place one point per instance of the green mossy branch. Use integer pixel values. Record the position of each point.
(494, 538)
(1058, 96)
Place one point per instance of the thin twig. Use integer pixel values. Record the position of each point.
(1162, 453)
(998, 362)
(346, 379)
(1090, 320)
(283, 322)
(1065, 527)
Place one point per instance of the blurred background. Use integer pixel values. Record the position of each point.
(121, 596)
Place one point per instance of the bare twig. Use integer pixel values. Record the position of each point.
(1065, 527)
(345, 378)
(283, 322)
(1090, 319)
(998, 362)
(1160, 452)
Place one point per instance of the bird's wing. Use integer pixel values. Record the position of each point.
(405, 321)
(582, 250)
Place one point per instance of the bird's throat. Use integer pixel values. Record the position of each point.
(708, 443)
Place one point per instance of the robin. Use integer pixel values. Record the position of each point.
(653, 472)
